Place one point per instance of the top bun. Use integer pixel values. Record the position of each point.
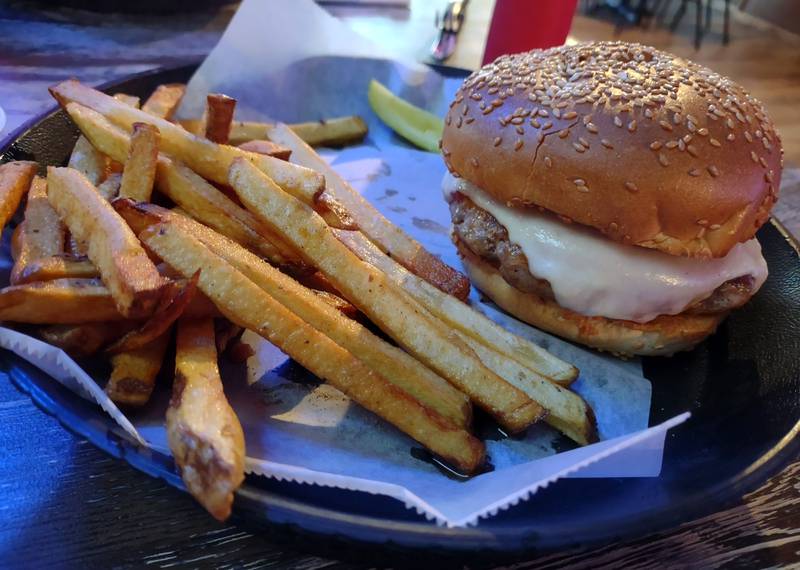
(650, 149)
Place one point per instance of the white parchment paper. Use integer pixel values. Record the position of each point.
(294, 62)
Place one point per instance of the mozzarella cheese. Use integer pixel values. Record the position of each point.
(595, 276)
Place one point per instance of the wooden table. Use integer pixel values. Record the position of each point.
(63, 503)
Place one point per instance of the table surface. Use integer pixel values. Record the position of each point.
(64, 503)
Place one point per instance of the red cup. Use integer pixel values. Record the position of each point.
(523, 25)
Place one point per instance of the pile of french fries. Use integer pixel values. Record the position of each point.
(255, 231)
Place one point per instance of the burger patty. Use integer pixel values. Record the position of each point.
(480, 231)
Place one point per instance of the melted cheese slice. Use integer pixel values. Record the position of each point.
(595, 276)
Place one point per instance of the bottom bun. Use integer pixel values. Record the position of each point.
(662, 336)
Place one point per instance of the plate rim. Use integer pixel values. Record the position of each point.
(714, 499)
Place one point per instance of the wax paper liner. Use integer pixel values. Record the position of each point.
(588, 458)
(60, 366)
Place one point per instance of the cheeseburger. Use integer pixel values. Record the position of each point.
(610, 193)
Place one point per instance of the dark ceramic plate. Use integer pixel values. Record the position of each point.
(742, 386)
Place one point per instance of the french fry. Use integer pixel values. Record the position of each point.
(125, 268)
(219, 116)
(15, 180)
(83, 340)
(174, 301)
(204, 434)
(334, 132)
(130, 100)
(40, 235)
(16, 241)
(529, 367)
(397, 314)
(342, 305)
(266, 147)
(211, 207)
(372, 223)
(140, 167)
(183, 186)
(110, 187)
(165, 100)
(247, 305)
(208, 159)
(61, 266)
(133, 372)
(88, 161)
(60, 301)
(460, 315)
(390, 362)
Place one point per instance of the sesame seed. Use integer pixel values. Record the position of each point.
(518, 144)
(569, 115)
(768, 177)
(579, 182)
(548, 162)
(517, 121)
(655, 145)
(578, 147)
(702, 222)
(677, 119)
(671, 144)
(547, 125)
(459, 121)
(748, 137)
(544, 113)
(583, 141)
(713, 171)
(587, 119)
(665, 125)
(617, 121)
(731, 137)
(694, 172)
(714, 142)
(497, 102)
(632, 126)
(469, 120)
(662, 158)
(681, 145)
(448, 119)
(702, 131)
(690, 148)
(714, 227)
(520, 130)
(497, 141)
(762, 162)
(563, 133)
(606, 143)
(592, 128)
(729, 123)
(557, 113)
(631, 187)
(474, 161)
(465, 110)
(754, 156)
(535, 123)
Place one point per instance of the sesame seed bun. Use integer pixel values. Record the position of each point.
(663, 336)
(650, 149)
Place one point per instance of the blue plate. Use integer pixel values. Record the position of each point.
(742, 386)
